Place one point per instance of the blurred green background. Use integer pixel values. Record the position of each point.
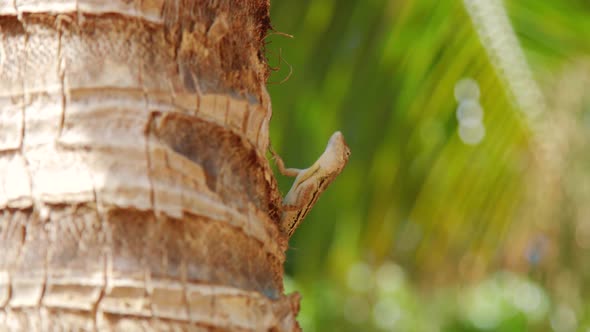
(466, 202)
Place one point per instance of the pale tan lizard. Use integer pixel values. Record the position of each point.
(311, 182)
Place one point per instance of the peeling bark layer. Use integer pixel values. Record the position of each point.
(134, 189)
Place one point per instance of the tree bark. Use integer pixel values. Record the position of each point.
(134, 189)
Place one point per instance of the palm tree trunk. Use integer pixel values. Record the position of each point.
(134, 189)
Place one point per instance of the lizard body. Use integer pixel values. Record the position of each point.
(311, 182)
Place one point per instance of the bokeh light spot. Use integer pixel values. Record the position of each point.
(472, 135)
(470, 113)
(564, 319)
(390, 277)
(360, 277)
(483, 306)
(386, 314)
(466, 89)
(526, 296)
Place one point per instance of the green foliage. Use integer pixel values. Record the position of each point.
(384, 72)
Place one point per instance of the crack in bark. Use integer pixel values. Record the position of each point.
(61, 70)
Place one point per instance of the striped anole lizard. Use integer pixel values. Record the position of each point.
(311, 182)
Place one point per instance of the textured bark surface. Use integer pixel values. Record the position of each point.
(134, 189)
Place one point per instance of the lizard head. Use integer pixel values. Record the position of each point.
(337, 153)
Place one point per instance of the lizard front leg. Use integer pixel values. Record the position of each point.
(292, 172)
